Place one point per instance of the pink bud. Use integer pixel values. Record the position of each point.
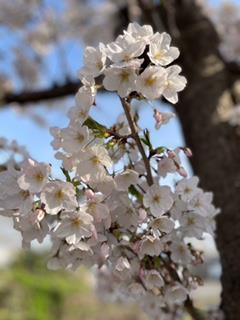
(182, 172)
(89, 194)
(158, 118)
(188, 152)
(142, 215)
(40, 214)
(37, 216)
(171, 154)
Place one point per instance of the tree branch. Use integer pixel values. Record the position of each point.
(54, 92)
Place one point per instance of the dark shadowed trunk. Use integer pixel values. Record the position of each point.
(215, 144)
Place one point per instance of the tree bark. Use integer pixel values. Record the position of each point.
(215, 144)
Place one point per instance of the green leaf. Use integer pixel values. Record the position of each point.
(160, 150)
(98, 129)
(134, 192)
(146, 139)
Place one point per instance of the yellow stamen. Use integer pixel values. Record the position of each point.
(150, 81)
(156, 199)
(59, 194)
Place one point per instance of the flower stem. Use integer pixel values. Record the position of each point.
(193, 312)
(127, 110)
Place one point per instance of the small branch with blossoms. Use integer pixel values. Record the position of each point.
(113, 209)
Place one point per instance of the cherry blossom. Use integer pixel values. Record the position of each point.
(34, 177)
(110, 210)
(151, 82)
(158, 199)
(58, 195)
(160, 52)
(174, 83)
(120, 80)
(126, 178)
(95, 59)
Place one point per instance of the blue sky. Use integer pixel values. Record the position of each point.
(37, 139)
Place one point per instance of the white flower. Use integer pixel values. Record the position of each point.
(193, 224)
(34, 176)
(11, 196)
(180, 252)
(173, 83)
(151, 246)
(84, 98)
(187, 188)
(234, 116)
(68, 161)
(92, 161)
(104, 183)
(121, 80)
(140, 32)
(158, 199)
(163, 224)
(126, 215)
(125, 48)
(57, 141)
(166, 165)
(74, 137)
(136, 290)
(74, 226)
(125, 179)
(178, 208)
(99, 211)
(211, 220)
(153, 279)
(58, 195)
(162, 118)
(122, 125)
(122, 264)
(78, 114)
(21, 201)
(95, 59)
(201, 202)
(151, 82)
(160, 52)
(32, 226)
(176, 294)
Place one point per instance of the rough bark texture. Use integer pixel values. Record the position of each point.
(215, 144)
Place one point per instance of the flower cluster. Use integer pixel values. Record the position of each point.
(227, 21)
(11, 152)
(112, 210)
(234, 116)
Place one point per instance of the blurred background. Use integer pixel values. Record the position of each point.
(41, 50)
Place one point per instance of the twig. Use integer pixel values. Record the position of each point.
(127, 110)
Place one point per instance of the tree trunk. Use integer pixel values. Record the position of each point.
(215, 144)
